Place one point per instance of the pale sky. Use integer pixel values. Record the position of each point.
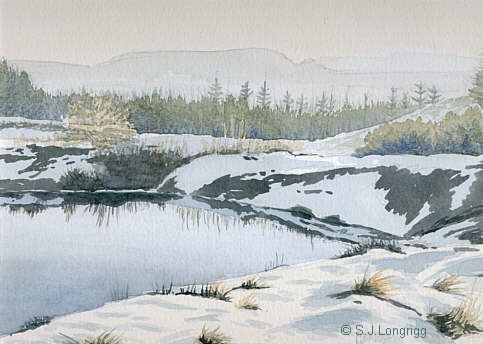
(90, 31)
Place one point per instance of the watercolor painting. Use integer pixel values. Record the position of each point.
(214, 172)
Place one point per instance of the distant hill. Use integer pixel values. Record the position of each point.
(191, 72)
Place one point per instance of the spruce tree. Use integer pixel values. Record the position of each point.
(215, 92)
(321, 106)
(476, 92)
(433, 95)
(301, 104)
(393, 98)
(245, 93)
(287, 102)
(263, 97)
(366, 101)
(347, 106)
(420, 92)
(331, 104)
(405, 101)
(7, 89)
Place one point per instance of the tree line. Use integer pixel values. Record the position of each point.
(249, 114)
(18, 96)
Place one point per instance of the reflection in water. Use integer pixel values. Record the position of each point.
(107, 206)
(104, 213)
(59, 262)
(29, 209)
(196, 217)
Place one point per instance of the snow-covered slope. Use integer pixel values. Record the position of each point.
(347, 143)
(319, 187)
(394, 194)
(299, 305)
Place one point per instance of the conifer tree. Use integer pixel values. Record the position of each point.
(287, 102)
(366, 101)
(433, 95)
(263, 97)
(321, 106)
(420, 92)
(331, 104)
(215, 91)
(347, 106)
(301, 104)
(245, 93)
(405, 101)
(393, 98)
(476, 92)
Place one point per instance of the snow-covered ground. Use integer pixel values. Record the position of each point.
(30, 162)
(19, 131)
(23, 120)
(330, 185)
(318, 188)
(342, 144)
(188, 144)
(380, 187)
(297, 307)
(347, 143)
(25, 134)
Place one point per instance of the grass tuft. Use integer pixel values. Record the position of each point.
(364, 247)
(275, 263)
(215, 290)
(163, 290)
(460, 320)
(247, 302)
(104, 338)
(78, 179)
(253, 283)
(450, 285)
(35, 322)
(212, 337)
(119, 293)
(119, 165)
(218, 291)
(377, 285)
(149, 165)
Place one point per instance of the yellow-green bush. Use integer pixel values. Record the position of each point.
(454, 134)
(100, 119)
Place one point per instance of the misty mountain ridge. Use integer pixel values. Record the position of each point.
(190, 73)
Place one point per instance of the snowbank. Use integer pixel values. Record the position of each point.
(331, 186)
(296, 308)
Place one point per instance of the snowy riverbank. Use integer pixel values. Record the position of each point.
(297, 306)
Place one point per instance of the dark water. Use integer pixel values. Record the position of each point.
(56, 261)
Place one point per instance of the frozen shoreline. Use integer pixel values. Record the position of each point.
(296, 308)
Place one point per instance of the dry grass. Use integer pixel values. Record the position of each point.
(119, 292)
(212, 337)
(253, 283)
(460, 320)
(218, 291)
(247, 302)
(104, 338)
(451, 284)
(215, 290)
(364, 247)
(377, 285)
(276, 263)
(35, 322)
